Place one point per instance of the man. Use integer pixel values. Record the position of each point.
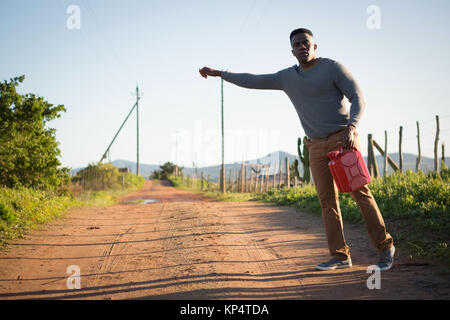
(317, 87)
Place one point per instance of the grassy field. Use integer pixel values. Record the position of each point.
(416, 208)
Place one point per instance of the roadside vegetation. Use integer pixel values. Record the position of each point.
(23, 208)
(34, 188)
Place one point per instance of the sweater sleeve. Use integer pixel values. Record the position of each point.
(348, 86)
(262, 81)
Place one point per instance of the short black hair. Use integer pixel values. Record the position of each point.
(300, 30)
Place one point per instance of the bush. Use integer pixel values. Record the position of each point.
(105, 177)
(165, 171)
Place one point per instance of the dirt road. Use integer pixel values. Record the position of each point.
(186, 247)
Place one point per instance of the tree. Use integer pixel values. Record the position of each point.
(164, 171)
(28, 149)
(100, 176)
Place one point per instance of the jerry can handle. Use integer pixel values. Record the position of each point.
(341, 149)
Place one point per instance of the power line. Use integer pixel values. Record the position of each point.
(106, 40)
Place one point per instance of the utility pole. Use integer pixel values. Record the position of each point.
(117, 133)
(176, 148)
(222, 182)
(176, 154)
(138, 171)
(136, 105)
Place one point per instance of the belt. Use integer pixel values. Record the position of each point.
(327, 137)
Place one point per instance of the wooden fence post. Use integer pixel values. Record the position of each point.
(390, 161)
(281, 172)
(266, 178)
(385, 155)
(251, 180)
(233, 184)
(201, 186)
(370, 155)
(443, 156)
(400, 154)
(245, 179)
(261, 180)
(436, 145)
(242, 177)
(288, 183)
(256, 180)
(273, 176)
(419, 156)
(261, 185)
(372, 160)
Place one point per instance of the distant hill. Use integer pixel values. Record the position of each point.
(273, 160)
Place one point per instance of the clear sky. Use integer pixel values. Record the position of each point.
(398, 54)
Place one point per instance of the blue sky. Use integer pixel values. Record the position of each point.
(402, 69)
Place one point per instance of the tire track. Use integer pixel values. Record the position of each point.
(107, 263)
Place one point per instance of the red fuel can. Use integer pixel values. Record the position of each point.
(348, 169)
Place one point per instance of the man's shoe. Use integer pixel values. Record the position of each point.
(386, 259)
(334, 264)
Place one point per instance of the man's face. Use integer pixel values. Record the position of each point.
(303, 47)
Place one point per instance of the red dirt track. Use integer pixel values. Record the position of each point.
(187, 247)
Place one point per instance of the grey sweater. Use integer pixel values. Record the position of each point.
(317, 94)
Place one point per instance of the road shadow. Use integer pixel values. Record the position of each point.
(254, 286)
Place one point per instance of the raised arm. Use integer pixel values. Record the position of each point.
(262, 81)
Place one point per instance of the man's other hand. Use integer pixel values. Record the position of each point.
(205, 72)
(348, 137)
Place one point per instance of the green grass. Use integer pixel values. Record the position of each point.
(231, 197)
(24, 208)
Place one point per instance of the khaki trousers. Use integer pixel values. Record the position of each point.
(329, 200)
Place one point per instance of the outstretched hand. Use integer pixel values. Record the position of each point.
(348, 137)
(205, 72)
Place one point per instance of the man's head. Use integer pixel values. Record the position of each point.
(303, 46)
